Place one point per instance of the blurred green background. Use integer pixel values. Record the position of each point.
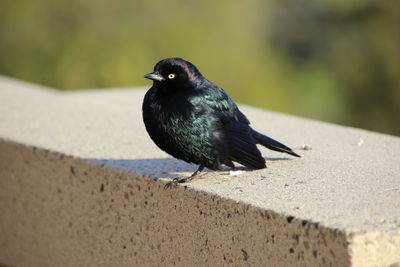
(332, 60)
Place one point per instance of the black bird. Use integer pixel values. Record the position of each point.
(194, 120)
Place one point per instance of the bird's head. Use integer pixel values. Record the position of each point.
(175, 74)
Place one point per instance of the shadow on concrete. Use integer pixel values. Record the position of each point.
(276, 159)
(156, 167)
(164, 167)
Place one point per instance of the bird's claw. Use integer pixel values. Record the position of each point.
(178, 180)
(168, 185)
(175, 181)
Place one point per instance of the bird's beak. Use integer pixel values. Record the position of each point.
(155, 76)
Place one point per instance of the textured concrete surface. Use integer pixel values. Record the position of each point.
(90, 204)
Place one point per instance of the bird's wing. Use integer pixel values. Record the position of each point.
(215, 100)
(242, 146)
(231, 127)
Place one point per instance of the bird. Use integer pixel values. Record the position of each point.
(195, 120)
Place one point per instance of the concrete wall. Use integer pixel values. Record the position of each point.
(81, 184)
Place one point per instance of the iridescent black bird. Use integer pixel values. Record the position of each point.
(194, 120)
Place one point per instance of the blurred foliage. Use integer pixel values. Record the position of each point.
(337, 61)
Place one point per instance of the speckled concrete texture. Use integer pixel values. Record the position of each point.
(81, 184)
(61, 211)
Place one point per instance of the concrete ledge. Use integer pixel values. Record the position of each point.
(81, 184)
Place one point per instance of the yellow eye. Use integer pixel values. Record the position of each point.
(171, 76)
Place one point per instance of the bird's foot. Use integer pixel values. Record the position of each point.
(180, 180)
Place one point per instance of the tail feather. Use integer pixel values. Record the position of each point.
(272, 144)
